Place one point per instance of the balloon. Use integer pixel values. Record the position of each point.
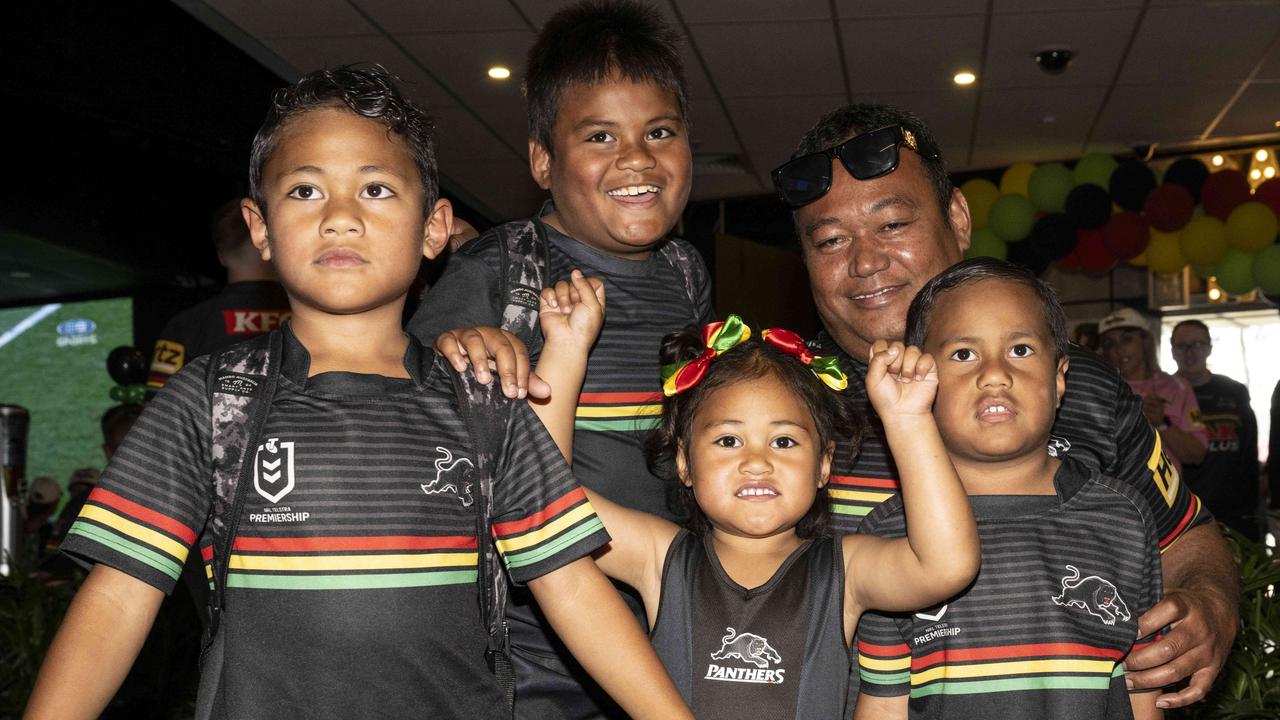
(1223, 192)
(1089, 206)
(1054, 236)
(1072, 261)
(1092, 252)
(117, 393)
(1130, 184)
(985, 243)
(1235, 272)
(1126, 235)
(127, 365)
(1029, 256)
(980, 194)
(1141, 259)
(1048, 187)
(1205, 271)
(1268, 193)
(1012, 217)
(1015, 178)
(1203, 240)
(1251, 227)
(1164, 253)
(1168, 208)
(1266, 269)
(1190, 173)
(1095, 168)
(135, 394)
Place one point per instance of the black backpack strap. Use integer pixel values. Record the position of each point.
(681, 257)
(523, 256)
(241, 382)
(486, 412)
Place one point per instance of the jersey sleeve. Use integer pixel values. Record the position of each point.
(169, 355)
(883, 657)
(705, 310)
(542, 519)
(144, 515)
(465, 296)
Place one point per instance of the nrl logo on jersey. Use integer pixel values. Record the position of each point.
(273, 469)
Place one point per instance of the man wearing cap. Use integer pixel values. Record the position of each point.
(1168, 402)
(42, 499)
(877, 217)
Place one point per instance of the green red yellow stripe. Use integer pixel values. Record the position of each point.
(563, 522)
(853, 495)
(1188, 519)
(618, 411)
(154, 539)
(348, 562)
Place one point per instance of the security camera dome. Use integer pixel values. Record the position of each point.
(1054, 60)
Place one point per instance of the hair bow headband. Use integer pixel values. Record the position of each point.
(721, 336)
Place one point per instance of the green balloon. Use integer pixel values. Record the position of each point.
(1012, 217)
(1266, 269)
(1049, 186)
(1095, 168)
(1235, 272)
(117, 393)
(135, 394)
(985, 243)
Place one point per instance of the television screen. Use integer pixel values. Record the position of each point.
(53, 362)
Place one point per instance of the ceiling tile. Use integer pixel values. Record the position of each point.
(1001, 7)
(457, 128)
(307, 54)
(293, 18)
(874, 51)
(511, 122)
(1256, 111)
(728, 11)
(772, 127)
(1012, 123)
(897, 8)
(1270, 69)
(755, 59)
(397, 16)
(1143, 114)
(1203, 43)
(461, 62)
(711, 132)
(714, 187)
(949, 116)
(1097, 37)
(501, 189)
(539, 11)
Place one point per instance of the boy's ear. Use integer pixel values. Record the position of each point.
(540, 164)
(257, 223)
(1063, 362)
(682, 466)
(824, 470)
(438, 228)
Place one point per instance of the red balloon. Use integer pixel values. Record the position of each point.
(1268, 193)
(1071, 261)
(1126, 234)
(1223, 191)
(1092, 252)
(1168, 208)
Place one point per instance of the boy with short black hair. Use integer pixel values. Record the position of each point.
(1069, 557)
(351, 586)
(608, 137)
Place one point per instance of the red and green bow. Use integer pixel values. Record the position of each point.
(826, 367)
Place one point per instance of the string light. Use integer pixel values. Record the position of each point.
(1218, 160)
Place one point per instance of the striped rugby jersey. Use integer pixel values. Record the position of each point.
(1100, 424)
(1044, 628)
(352, 584)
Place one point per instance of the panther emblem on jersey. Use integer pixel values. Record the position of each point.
(1098, 597)
(748, 647)
(452, 476)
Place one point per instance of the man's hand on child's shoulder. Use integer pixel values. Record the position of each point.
(901, 380)
(572, 312)
(491, 349)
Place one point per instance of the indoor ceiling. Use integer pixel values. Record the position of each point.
(1169, 73)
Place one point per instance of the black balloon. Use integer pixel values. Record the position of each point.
(1089, 206)
(1054, 236)
(1190, 173)
(1130, 185)
(1029, 255)
(127, 365)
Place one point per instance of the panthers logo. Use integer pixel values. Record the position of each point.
(453, 476)
(1097, 596)
(747, 647)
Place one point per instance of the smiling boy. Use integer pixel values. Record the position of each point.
(608, 138)
(1069, 556)
(352, 581)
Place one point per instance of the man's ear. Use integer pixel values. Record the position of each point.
(1061, 379)
(437, 229)
(540, 164)
(824, 471)
(961, 221)
(682, 466)
(257, 222)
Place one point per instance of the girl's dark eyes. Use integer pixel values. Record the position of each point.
(599, 137)
(785, 442)
(727, 441)
(1022, 350)
(963, 355)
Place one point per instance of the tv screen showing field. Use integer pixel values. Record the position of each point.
(53, 362)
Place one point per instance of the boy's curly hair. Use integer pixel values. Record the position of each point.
(368, 90)
(750, 360)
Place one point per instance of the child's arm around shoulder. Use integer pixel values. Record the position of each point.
(940, 554)
(96, 645)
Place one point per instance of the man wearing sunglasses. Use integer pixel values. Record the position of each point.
(877, 217)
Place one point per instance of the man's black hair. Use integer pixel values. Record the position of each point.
(748, 361)
(594, 41)
(368, 90)
(985, 268)
(851, 120)
(228, 229)
(1194, 324)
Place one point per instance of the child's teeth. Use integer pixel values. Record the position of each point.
(634, 190)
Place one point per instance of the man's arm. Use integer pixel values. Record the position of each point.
(587, 613)
(99, 639)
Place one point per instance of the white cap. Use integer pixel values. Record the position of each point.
(1123, 318)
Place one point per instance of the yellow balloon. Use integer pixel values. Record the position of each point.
(1140, 260)
(980, 194)
(1252, 227)
(1164, 253)
(1204, 240)
(1016, 178)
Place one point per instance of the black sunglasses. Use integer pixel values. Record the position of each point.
(866, 156)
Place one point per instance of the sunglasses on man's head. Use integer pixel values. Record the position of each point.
(866, 156)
